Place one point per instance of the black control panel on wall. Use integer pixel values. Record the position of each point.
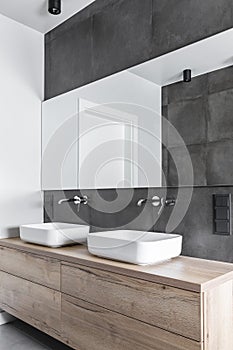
(222, 214)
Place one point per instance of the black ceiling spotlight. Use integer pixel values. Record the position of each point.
(54, 7)
(187, 75)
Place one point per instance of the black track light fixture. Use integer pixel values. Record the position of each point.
(54, 7)
(187, 75)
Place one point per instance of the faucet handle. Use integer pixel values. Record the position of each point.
(156, 201)
(170, 202)
(80, 200)
(164, 203)
(77, 200)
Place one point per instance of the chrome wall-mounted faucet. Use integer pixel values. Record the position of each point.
(156, 201)
(77, 200)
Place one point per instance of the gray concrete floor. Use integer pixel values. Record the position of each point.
(20, 336)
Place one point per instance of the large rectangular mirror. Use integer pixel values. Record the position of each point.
(108, 134)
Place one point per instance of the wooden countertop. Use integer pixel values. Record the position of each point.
(183, 272)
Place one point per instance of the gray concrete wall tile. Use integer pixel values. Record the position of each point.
(220, 163)
(179, 23)
(220, 80)
(122, 36)
(189, 120)
(180, 91)
(68, 60)
(177, 162)
(220, 121)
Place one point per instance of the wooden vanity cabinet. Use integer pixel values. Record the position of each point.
(175, 310)
(33, 303)
(32, 267)
(95, 304)
(89, 326)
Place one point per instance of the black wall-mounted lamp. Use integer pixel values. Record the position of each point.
(54, 7)
(187, 75)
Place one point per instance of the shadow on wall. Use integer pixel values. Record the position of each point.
(9, 232)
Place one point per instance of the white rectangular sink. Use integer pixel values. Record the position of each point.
(56, 234)
(136, 247)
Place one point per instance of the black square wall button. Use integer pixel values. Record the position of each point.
(222, 200)
(222, 227)
(222, 213)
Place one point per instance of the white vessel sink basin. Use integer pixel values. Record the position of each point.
(56, 234)
(136, 247)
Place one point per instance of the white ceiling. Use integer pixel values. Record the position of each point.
(202, 57)
(34, 13)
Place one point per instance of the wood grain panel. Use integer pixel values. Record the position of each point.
(86, 327)
(33, 303)
(35, 268)
(218, 318)
(182, 272)
(169, 308)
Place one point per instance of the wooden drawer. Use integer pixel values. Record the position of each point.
(32, 267)
(33, 303)
(86, 327)
(172, 309)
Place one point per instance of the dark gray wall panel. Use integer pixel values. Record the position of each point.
(220, 80)
(87, 12)
(201, 112)
(122, 35)
(103, 213)
(220, 162)
(197, 227)
(220, 123)
(184, 114)
(198, 157)
(186, 92)
(177, 23)
(112, 35)
(69, 59)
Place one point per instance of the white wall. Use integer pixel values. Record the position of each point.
(21, 93)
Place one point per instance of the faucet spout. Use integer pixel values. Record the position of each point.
(77, 200)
